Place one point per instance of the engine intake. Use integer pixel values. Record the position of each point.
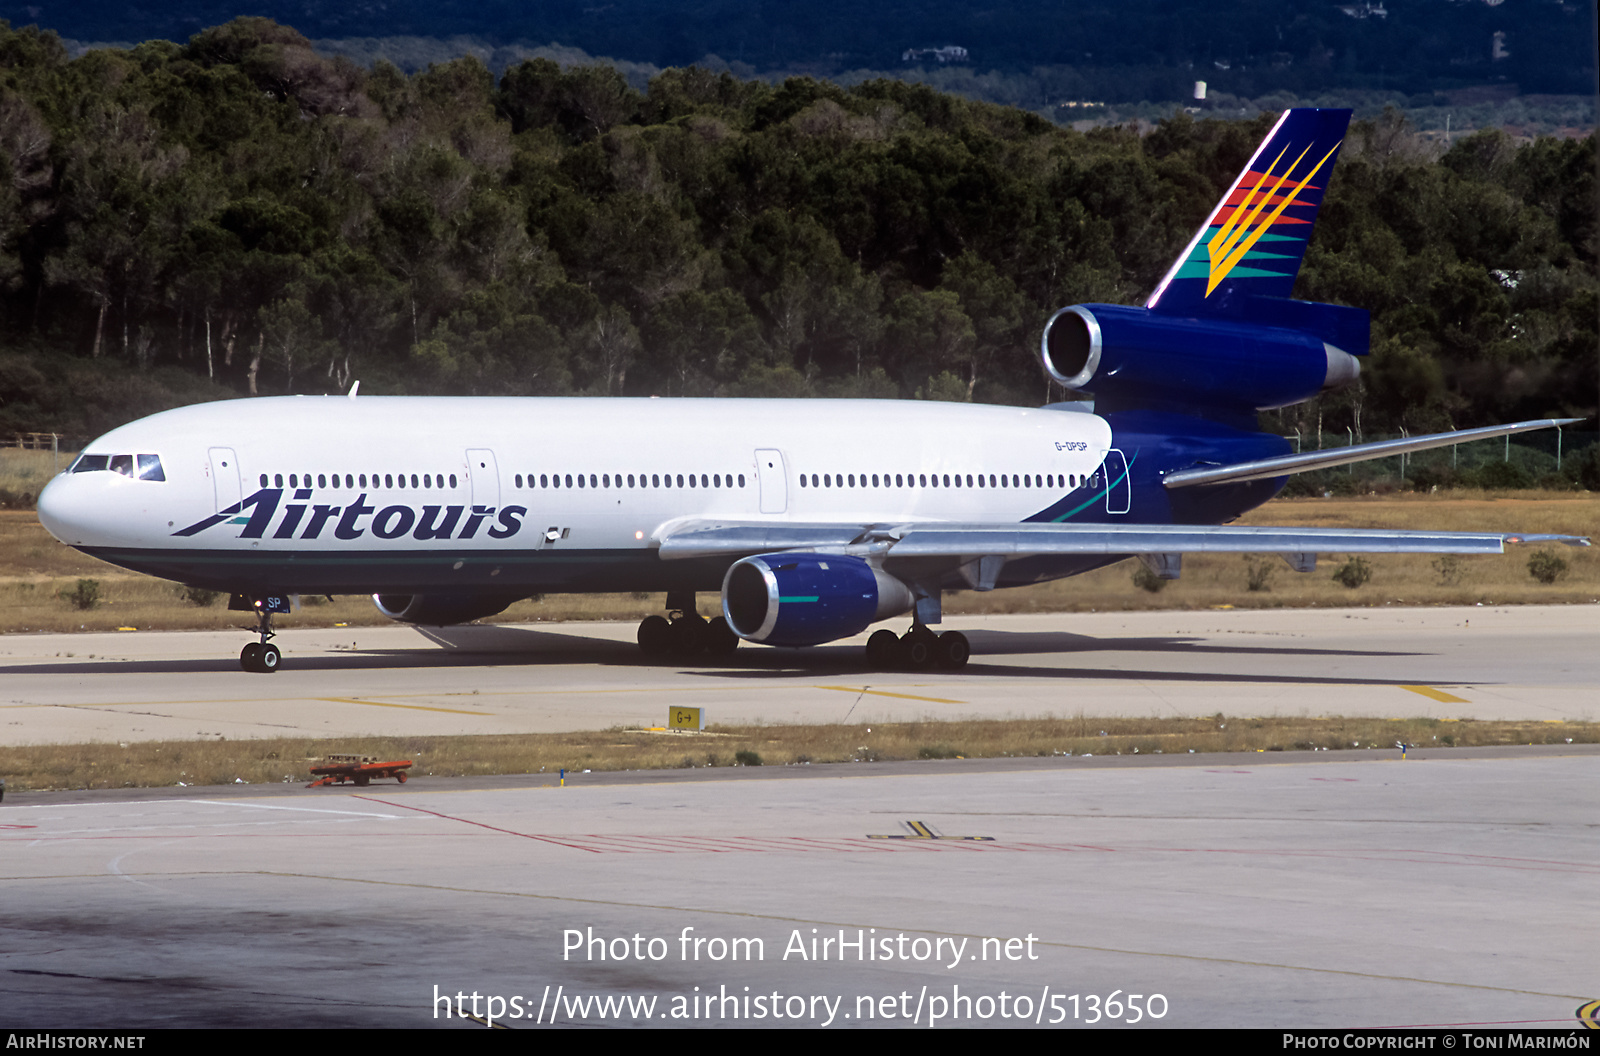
(1136, 357)
(808, 599)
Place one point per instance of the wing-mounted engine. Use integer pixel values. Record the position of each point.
(808, 598)
(439, 610)
(1142, 358)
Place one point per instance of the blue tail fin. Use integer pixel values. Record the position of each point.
(1252, 244)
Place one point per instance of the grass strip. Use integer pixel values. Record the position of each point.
(145, 764)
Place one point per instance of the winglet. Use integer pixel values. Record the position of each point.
(352, 393)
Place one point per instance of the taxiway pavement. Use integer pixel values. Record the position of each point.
(1312, 891)
(1448, 889)
(1525, 662)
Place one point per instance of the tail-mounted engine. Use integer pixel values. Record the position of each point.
(808, 599)
(1136, 357)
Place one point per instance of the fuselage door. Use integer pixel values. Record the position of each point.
(225, 479)
(772, 481)
(485, 478)
(1119, 490)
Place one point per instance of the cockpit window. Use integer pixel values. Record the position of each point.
(145, 467)
(90, 463)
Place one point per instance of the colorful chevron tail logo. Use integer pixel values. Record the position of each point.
(1258, 203)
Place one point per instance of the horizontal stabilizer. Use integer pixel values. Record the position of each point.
(1267, 468)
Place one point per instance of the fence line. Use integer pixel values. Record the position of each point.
(43, 441)
(1549, 451)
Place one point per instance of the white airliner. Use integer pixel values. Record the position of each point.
(813, 518)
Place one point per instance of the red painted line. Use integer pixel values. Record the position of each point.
(854, 844)
(464, 821)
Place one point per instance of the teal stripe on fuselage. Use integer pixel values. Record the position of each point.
(1106, 494)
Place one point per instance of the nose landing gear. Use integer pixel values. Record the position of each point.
(261, 657)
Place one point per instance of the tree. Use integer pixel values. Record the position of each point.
(928, 335)
(1000, 314)
(292, 335)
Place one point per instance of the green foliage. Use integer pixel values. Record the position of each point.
(1495, 476)
(1353, 573)
(199, 596)
(1450, 569)
(1584, 469)
(243, 215)
(747, 758)
(1546, 566)
(945, 386)
(1259, 571)
(1147, 580)
(85, 596)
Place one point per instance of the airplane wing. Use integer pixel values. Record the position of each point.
(691, 539)
(1266, 468)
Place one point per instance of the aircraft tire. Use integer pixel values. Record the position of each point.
(268, 660)
(919, 649)
(720, 639)
(953, 650)
(655, 636)
(250, 657)
(690, 635)
(883, 651)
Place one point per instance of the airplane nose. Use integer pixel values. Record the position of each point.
(61, 508)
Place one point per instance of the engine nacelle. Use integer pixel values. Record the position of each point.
(808, 599)
(438, 610)
(1137, 357)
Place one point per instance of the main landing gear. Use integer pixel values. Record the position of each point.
(917, 650)
(261, 657)
(685, 633)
